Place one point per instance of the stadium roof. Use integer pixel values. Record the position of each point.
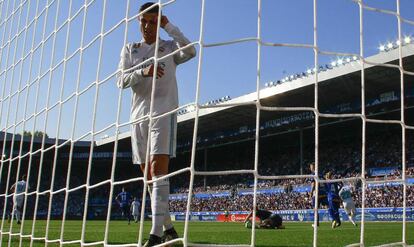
(340, 84)
(38, 139)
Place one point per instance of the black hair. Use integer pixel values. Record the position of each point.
(325, 172)
(147, 5)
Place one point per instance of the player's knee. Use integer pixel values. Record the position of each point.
(142, 166)
(159, 164)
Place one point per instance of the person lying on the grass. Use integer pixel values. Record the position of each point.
(268, 220)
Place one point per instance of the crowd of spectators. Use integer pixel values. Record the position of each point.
(384, 196)
(380, 196)
(344, 158)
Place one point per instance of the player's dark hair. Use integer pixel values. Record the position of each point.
(24, 177)
(148, 5)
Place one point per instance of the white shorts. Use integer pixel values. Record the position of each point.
(349, 207)
(18, 201)
(163, 138)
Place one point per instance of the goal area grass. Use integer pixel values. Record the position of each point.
(295, 234)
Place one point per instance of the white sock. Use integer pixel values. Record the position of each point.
(167, 220)
(159, 205)
(17, 214)
(351, 218)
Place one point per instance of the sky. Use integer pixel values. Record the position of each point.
(226, 70)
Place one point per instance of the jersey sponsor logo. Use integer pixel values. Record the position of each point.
(233, 217)
(160, 64)
(135, 47)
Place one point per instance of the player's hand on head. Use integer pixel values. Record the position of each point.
(149, 71)
(164, 21)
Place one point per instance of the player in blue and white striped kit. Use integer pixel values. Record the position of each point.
(18, 199)
(345, 194)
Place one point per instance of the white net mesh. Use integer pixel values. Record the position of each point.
(54, 75)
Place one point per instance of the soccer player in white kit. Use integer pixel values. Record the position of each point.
(163, 130)
(135, 209)
(349, 206)
(18, 198)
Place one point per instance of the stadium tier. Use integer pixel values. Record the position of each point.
(225, 142)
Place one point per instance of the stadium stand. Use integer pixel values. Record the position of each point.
(234, 193)
(225, 141)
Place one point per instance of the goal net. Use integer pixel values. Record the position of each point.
(65, 126)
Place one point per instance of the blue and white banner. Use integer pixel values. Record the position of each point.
(181, 217)
(214, 194)
(371, 214)
(382, 171)
(178, 196)
(302, 188)
(409, 181)
(274, 190)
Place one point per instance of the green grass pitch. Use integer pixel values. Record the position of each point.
(295, 234)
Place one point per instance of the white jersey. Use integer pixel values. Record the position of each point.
(135, 207)
(166, 92)
(345, 194)
(20, 187)
(18, 199)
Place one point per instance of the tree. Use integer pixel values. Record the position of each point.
(37, 133)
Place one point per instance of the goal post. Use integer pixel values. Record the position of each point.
(36, 97)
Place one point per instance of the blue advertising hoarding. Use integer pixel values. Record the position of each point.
(371, 214)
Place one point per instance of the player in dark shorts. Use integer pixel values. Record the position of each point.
(124, 201)
(268, 220)
(226, 216)
(334, 201)
(322, 195)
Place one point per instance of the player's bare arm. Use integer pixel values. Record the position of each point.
(248, 217)
(312, 188)
(12, 188)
